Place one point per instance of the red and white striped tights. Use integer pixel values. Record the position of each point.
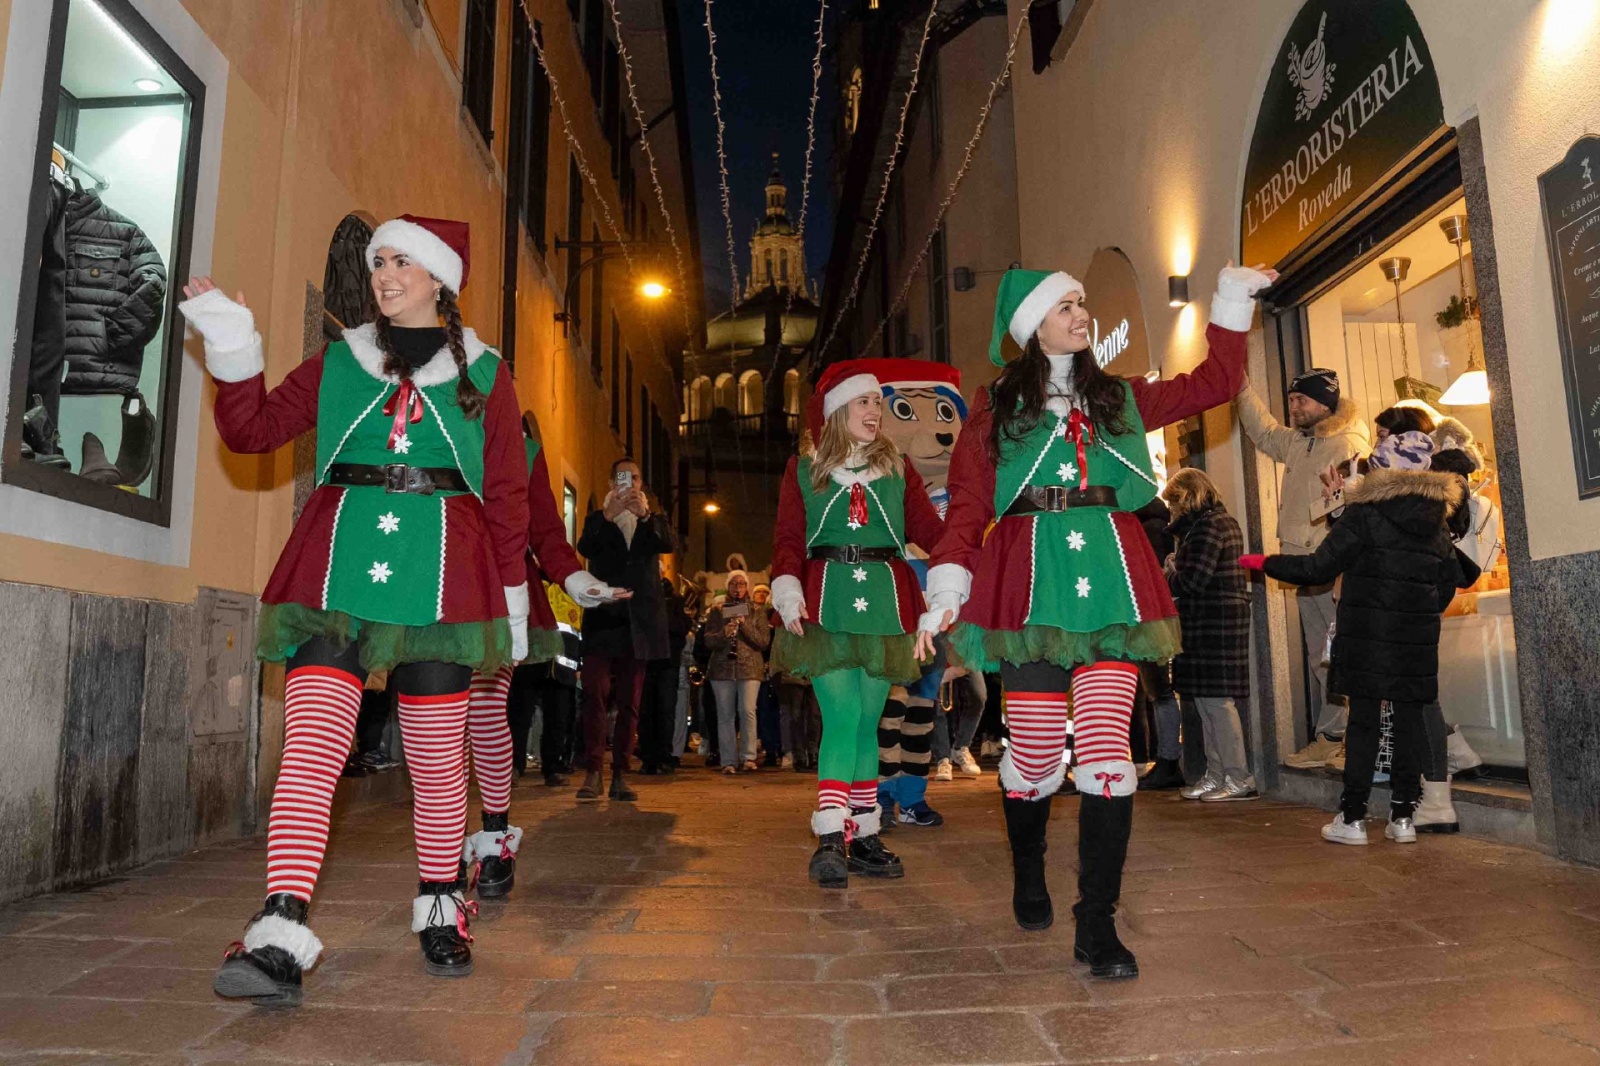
(490, 735)
(432, 727)
(1101, 709)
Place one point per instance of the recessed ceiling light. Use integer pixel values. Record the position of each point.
(147, 85)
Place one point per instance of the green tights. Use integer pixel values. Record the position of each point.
(847, 764)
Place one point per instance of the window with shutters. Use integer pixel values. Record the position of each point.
(477, 68)
(574, 233)
(530, 169)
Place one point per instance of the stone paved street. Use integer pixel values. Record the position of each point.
(683, 930)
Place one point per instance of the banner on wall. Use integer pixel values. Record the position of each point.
(1353, 94)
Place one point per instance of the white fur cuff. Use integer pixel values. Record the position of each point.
(828, 820)
(1118, 775)
(486, 844)
(1235, 315)
(1012, 780)
(276, 931)
(587, 590)
(788, 597)
(868, 823)
(950, 577)
(422, 908)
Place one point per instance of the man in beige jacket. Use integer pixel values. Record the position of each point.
(1325, 430)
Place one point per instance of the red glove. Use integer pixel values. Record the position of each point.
(1253, 562)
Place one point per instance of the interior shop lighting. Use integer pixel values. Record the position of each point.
(1177, 290)
(147, 85)
(121, 32)
(1472, 387)
(711, 507)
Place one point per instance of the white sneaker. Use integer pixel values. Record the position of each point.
(1400, 830)
(990, 749)
(1209, 783)
(787, 762)
(1231, 791)
(964, 761)
(1340, 831)
(942, 771)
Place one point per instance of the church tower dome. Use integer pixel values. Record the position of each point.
(777, 256)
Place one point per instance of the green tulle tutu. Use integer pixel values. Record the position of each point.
(985, 649)
(484, 646)
(892, 659)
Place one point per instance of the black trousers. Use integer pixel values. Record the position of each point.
(521, 704)
(559, 702)
(1411, 756)
(658, 709)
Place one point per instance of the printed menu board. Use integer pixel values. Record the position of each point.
(1569, 194)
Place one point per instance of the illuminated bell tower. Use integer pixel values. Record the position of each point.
(777, 257)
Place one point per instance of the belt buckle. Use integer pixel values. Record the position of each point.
(394, 477)
(852, 553)
(1055, 497)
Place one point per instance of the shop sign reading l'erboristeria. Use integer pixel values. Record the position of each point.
(1352, 95)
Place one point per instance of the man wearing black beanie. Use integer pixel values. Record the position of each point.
(1325, 430)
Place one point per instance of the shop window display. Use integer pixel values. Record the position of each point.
(94, 381)
(1404, 325)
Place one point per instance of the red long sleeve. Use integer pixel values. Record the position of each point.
(789, 537)
(924, 527)
(505, 479)
(971, 485)
(1213, 383)
(547, 533)
(252, 420)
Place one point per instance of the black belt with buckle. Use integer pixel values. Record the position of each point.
(1034, 499)
(854, 553)
(398, 477)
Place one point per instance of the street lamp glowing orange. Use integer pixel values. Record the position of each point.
(653, 290)
(711, 507)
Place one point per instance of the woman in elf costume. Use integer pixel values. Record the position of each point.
(849, 604)
(1064, 594)
(490, 855)
(407, 558)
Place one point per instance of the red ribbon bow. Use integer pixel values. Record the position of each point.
(1107, 779)
(1081, 432)
(462, 910)
(405, 405)
(858, 504)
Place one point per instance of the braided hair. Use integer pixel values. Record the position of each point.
(469, 397)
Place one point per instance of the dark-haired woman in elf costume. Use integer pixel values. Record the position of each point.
(849, 604)
(407, 558)
(490, 855)
(1064, 594)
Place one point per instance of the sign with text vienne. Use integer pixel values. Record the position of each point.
(1121, 342)
(1352, 94)
(1569, 194)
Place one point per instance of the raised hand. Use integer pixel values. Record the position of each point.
(202, 284)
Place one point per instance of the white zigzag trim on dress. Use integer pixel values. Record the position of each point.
(1126, 574)
(333, 538)
(476, 490)
(824, 519)
(897, 541)
(1026, 481)
(333, 456)
(444, 548)
(1125, 461)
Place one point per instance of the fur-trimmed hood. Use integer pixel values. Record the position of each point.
(438, 370)
(1342, 419)
(1415, 500)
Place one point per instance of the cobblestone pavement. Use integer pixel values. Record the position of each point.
(683, 930)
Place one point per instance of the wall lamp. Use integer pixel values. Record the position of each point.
(1177, 290)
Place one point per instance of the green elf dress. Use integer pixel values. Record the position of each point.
(411, 576)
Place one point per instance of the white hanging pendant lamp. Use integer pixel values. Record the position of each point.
(1472, 387)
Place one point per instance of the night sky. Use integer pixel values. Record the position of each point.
(764, 52)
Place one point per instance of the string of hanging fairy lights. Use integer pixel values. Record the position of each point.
(650, 159)
(955, 184)
(883, 191)
(805, 184)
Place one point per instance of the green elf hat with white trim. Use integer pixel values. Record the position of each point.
(1025, 297)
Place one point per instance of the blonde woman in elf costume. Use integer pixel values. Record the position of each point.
(1064, 594)
(407, 558)
(849, 604)
(489, 856)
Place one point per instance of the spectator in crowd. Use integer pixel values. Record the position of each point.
(683, 709)
(1213, 597)
(658, 708)
(769, 725)
(705, 700)
(1324, 431)
(623, 541)
(738, 635)
(801, 722)
(1400, 570)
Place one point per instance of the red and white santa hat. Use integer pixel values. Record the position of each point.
(912, 373)
(439, 244)
(839, 384)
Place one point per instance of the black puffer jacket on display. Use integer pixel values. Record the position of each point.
(116, 288)
(1400, 572)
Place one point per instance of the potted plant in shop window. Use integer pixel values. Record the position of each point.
(1458, 331)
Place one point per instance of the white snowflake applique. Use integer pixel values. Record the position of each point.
(1075, 541)
(402, 445)
(861, 603)
(380, 572)
(853, 524)
(388, 523)
(1083, 588)
(859, 573)
(1067, 471)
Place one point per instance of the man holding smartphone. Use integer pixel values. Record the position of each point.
(623, 542)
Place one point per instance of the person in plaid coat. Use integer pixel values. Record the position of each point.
(1212, 592)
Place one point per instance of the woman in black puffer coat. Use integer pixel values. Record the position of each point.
(1400, 572)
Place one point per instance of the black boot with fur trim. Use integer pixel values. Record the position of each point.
(266, 966)
(492, 855)
(439, 917)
